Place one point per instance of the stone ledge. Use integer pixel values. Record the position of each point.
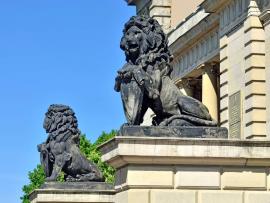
(123, 150)
(73, 192)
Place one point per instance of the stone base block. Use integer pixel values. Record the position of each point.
(220, 197)
(245, 178)
(172, 196)
(81, 192)
(257, 197)
(174, 169)
(197, 177)
(133, 196)
(174, 131)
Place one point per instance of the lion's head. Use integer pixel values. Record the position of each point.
(144, 42)
(60, 120)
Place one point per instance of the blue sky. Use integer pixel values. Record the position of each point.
(55, 51)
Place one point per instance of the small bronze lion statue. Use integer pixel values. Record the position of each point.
(144, 81)
(61, 150)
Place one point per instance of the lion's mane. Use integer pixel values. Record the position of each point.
(156, 51)
(60, 120)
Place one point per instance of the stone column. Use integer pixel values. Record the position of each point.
(265, 17)
(209, 91)
(255, 86)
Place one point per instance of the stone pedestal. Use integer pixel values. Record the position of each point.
(81, 192)
(188, 170)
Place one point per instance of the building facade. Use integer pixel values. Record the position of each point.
(221, 52)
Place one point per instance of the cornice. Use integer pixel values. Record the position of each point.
(265, 17)
(263, 4)
(123, 150)
(212, 6)
(204, 26)
(187, 24)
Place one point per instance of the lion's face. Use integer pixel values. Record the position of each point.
(51, 121)
(133, 43)
(145, 43)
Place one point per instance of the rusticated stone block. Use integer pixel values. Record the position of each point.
(257, 197)
(242, 178)
(172, 196)
(220, 197)
(133, 196)
(201, 177)
(150, 177)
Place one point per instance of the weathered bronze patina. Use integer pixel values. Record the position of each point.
(144, 81)
(60, 152)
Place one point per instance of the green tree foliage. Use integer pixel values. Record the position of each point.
(92, 153)
(37, 176)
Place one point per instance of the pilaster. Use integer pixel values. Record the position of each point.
(265, 18)
(255, 75)
(161, 11)
(157, 9)
(224, 87)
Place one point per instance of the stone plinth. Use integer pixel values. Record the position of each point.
(188, 170)
(82, 192)
(174, 131)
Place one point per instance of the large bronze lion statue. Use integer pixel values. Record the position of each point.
(61, 150)
(144, 81)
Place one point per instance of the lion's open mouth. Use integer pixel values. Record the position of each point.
(133, 47)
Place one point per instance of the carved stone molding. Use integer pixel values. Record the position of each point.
(265, 17)
(263, 4)
(181, 41)
(199, 53)
(232, 11)
(212, 6)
